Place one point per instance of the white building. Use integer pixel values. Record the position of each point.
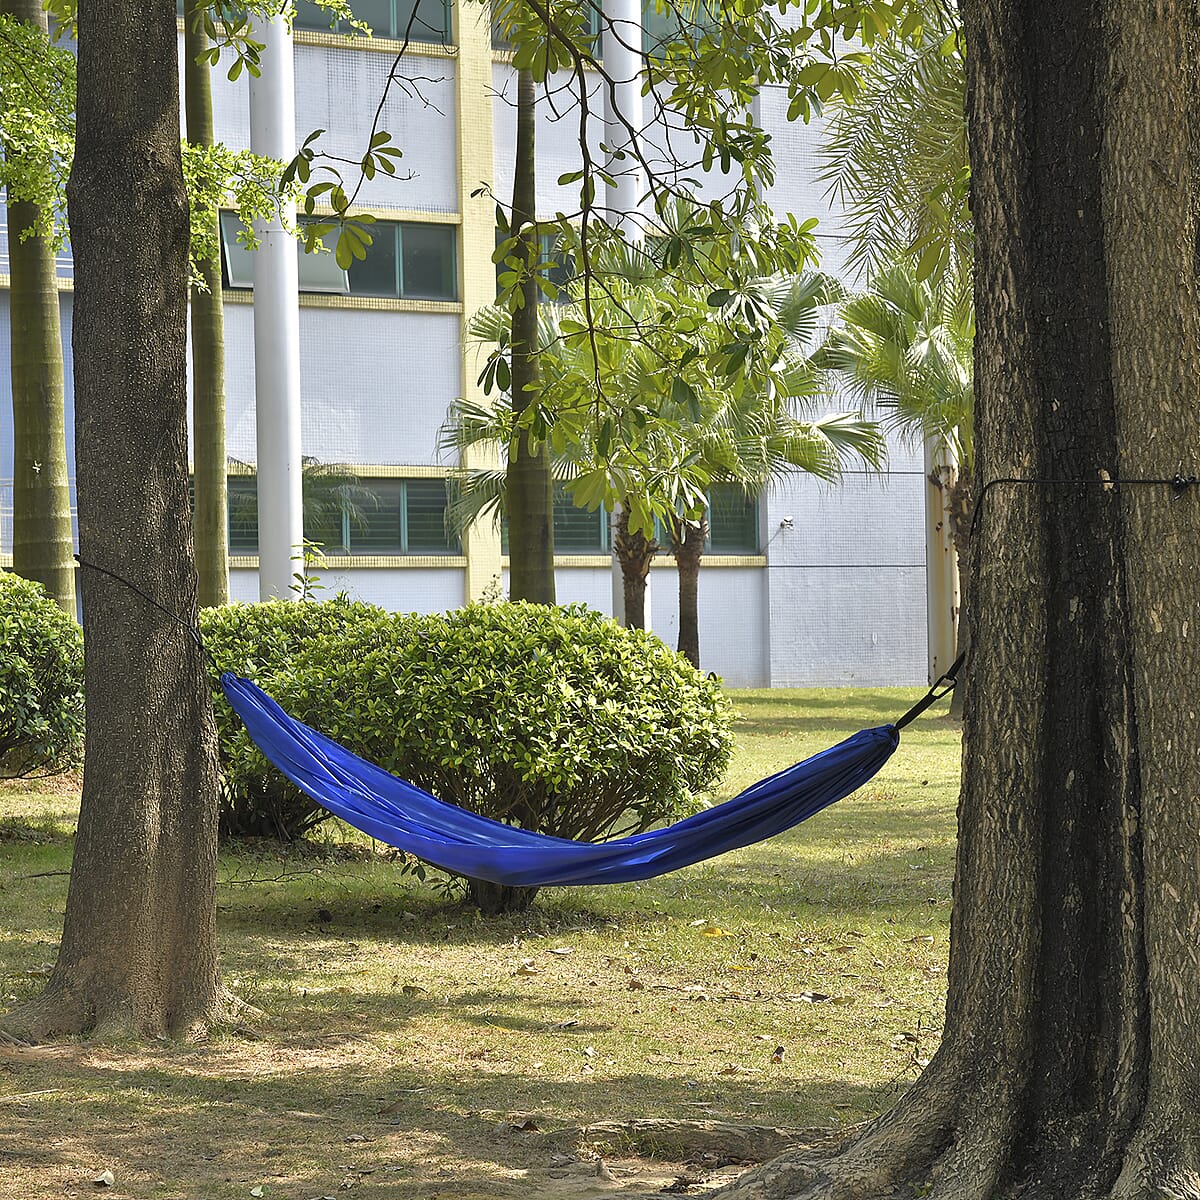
(809, 585)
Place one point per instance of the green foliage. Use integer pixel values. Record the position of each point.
(555, 719)
(657, 386)
(906, 347)
(262, 642)
(896, 153)
(41, 682)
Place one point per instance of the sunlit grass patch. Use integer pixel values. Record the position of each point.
(398, 1038)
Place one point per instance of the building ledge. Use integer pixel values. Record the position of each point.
(351, 562)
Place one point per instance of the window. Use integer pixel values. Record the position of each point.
(419, 20)
(406, 260)
(732, 520)
(500, 42)
(561, 270)
(378, 517)
(243, 514)
(576, 530)
(661, 28)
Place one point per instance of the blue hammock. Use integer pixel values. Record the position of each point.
(396, 812)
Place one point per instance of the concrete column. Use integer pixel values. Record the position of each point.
(277, 329)
(473, 77)
(621, 51)
(941, 562)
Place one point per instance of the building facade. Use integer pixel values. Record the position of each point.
(806, 585)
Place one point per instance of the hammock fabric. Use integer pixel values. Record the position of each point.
(396, 812)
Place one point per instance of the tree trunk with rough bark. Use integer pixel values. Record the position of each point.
(1070, 1061)
(687, 545)
(635, 552)
(961, 506)
(42, 548)
(138, 949)
(208, 349)
(528, 483)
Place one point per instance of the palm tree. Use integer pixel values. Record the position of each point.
(42, 540)
(895, 156)
(906, 347)
(687, 422)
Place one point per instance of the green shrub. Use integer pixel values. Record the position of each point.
(41, 681)
(261, 642)
(555, 719)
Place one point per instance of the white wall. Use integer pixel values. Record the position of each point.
(399, 589)
(374, 385)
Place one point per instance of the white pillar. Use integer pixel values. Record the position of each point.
(277, 328)
(621, 51)
(941, 562)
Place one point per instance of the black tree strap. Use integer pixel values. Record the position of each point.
(190, 625)
(942, 687)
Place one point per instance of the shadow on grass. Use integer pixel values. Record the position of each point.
(228, 1129)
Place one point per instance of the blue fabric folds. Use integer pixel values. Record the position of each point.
(396, 812)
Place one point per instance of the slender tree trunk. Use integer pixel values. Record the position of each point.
(1070, 1062)
(208, 349)
(529, 486)
(687, 545)
(42, 542)
(138, 948)
(635, 552)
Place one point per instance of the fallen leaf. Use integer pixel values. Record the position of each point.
(636, 985)
(105, 1179)
(256, 1191)
(565, 1024)
(777, 1057)
(562, 950)
(697, 924)
(527, 969)
(717, 931)
(357, 1137)
(411, 989)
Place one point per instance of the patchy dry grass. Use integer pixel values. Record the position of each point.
(402, 1038)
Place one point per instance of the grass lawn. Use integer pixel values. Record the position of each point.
(401, 1038)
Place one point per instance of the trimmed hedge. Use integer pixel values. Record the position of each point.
(41, 682)
(556, 719)
(262, 642)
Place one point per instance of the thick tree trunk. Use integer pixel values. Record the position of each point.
(528, 485)
(635, 552)
(42, 544)
(138, 949)
(687, 545)
(962, 509)
(208, 350)
(1070, 1062)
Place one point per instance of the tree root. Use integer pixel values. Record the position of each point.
(686, 1141)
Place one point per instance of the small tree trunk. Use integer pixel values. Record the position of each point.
(688, 548)
(208, 350)
(635, 552)
(529, 488)
(138, 948)
(42, 542)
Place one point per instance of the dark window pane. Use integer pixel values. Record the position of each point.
(243, 515)
(377, 14)
(429, 23)
(376, 274)
(576, 531)
(661, 28)
(375, 528)
(732, 520)
(427, 517)
(323, 516)
(429, 268)
(312, 16)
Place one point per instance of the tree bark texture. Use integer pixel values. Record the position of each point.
(687, 545)
(1070, 1061)
(43, 547)
(208, 350)
(635, 552)
(138, 949)
(528, 485)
